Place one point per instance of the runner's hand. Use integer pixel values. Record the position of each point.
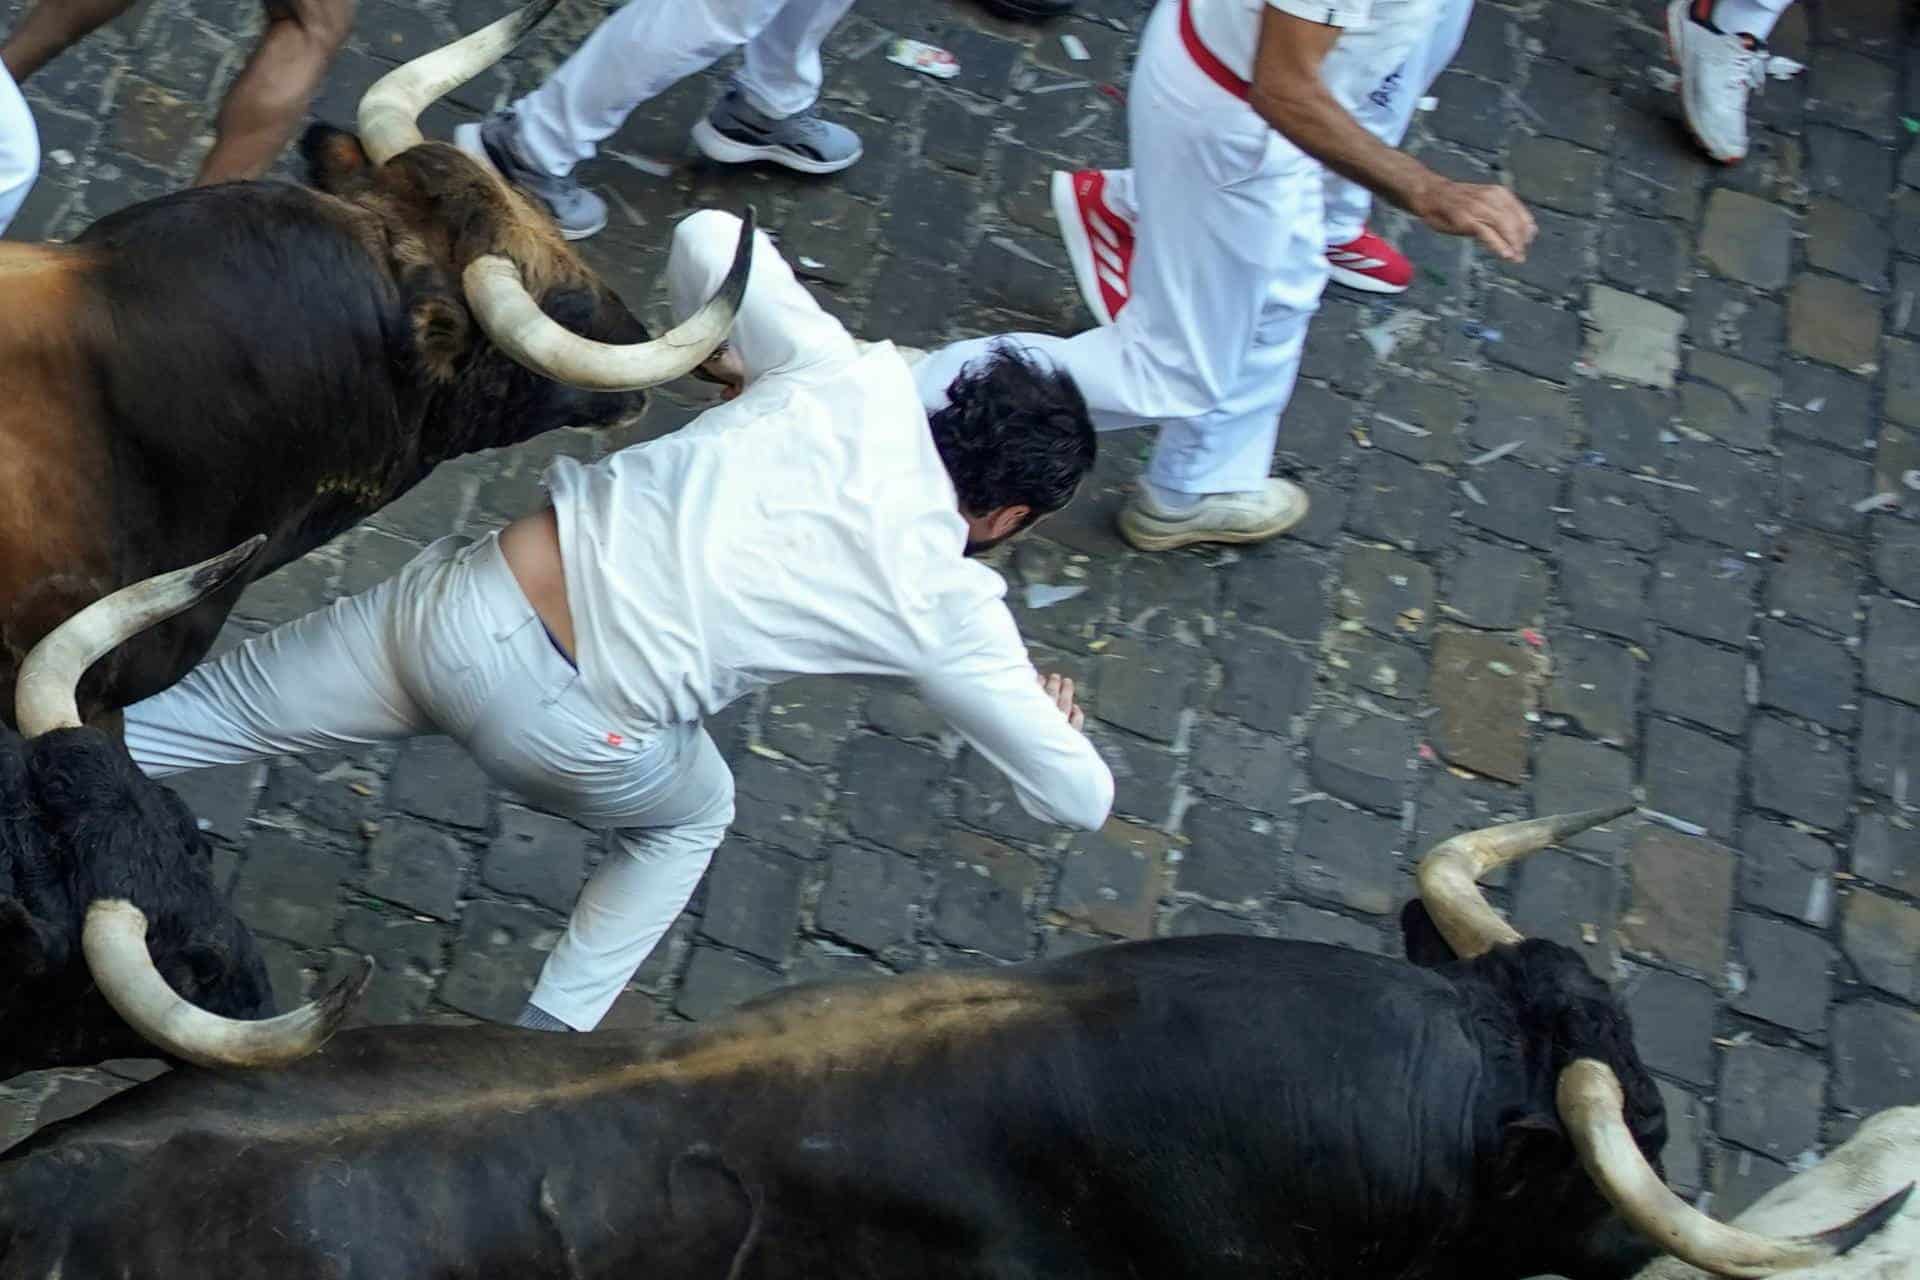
(1490, 214)
(1060, 689)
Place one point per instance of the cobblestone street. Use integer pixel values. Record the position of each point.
(1638, 519)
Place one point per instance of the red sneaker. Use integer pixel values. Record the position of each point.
(1370, 264)
(1099, 241)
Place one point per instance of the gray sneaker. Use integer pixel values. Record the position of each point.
(577, 211)
(735, 133)
(1219, 517)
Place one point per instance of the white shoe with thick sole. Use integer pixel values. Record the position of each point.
(1719, 72)
(1218, 517)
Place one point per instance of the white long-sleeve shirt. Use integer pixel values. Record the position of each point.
(808, 527)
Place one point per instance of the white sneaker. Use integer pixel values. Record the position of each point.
(1718, 73)
(1218, 517)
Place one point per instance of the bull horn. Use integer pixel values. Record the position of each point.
(46, 688)
(1593, 1108)
(1448, 875)
(519, 327)
(390, 110)
(115, 942)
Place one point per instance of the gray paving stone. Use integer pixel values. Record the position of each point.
(219, 799)
(1681, 1158)
(1849, 168)
(1852, 92)
(1891, 656)
(1557, 174)
(1673, 1025)
(1787, 974)
(1535, 337)
(1741, 1177)
(1143, 776)
(1570, 901)
(1787, 871)
(1738, 322)
(323, 792)
(810, 719)
(1645, 255)
(1346, 856)
(436, 779)
(1821, 403)
(1699, 682)
(1624, 424)
(753, 900)
(1729, 496)
(719, 980)
(1557, 258)
(1730, 400)
(1815, 579)
(1143, 687)
(1882, 939)
(1596, 684)
(1512, 407)
(1280, 589)
(869, 896)
(1692, 776)
(1242, 765)
(1335, 352)
(1233, 856)
(1807, 675)
(1519, 503)
(1265, 685)
(1366, 661)
(1886, 850)
(1613, 507)
(1896, 556)
(1833, 321)
(1313, 431)
(288, 889)
(417, 867)
(1472, 112)
(1847, 242)
(1449, 804)
(1747, 239)
(1567, 104)
(1800, 774)
(1874, 1048)
(892, 793)
(1682, 898)
(1656, 169)
(1897, 459)
(984, 896)
(1493, 586)
(1112, 880)
(1363, 759)
(1306, 923)
(1194, 920)
(501, 948)
(1605, 589)
(1387, 592)
(538, 856)
(1819, 487)
(1705, 592)
(1572, 774)
(1398, 502)
(1889, 748)
(1165, 595)
(1770, 1099)
(780, 805)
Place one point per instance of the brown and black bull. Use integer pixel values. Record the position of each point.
(1202, 1107)
(258, 364)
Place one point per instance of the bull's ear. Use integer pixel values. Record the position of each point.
(1531, 1147)
(335, 159)
(1425, 946)
(28, 949)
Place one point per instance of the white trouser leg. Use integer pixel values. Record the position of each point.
(451, 645)
(1755, 18)
(1227, 272)
(1387, 110)
(19, 149)
(643, 49)
(780, 74)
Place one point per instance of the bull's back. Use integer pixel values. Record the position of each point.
(1203, 1107)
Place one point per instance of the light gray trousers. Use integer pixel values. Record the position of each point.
(450, 645)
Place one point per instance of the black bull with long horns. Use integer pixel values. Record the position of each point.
(1200, 1107)
(248, 361)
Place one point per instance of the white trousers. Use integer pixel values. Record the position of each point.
(450, 645)
(19, 149)
(1229, 263)
(1749, 17)
(646, 47)
(1388, 110)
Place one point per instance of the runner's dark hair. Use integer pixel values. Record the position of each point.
(1014, 432)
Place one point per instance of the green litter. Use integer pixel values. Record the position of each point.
(1913, 126)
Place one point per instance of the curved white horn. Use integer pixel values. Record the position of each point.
(1449, 874)
(1593, 1108)
(44, 692)
(390, 109)
(115, 942)
(520, 328)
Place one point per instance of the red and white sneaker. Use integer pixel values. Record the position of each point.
(1370, 264)
(1099, 241)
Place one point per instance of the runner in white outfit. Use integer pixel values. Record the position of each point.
(1721, 46)
(809, 526)
(645, 48)
(1227, 246)
(19, 149)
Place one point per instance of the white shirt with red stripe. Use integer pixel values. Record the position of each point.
(1224, 35)
(1230, 29)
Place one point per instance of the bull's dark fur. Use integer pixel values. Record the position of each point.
(1202, 1107)
(77, 822)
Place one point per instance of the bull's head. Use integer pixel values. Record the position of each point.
(124, 851)
(1615, 1131)
(465, 247)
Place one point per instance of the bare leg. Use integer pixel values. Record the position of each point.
(272, 91)
(50, 27)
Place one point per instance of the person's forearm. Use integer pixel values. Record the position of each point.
(1313, 120)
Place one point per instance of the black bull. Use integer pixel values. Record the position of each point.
(1202, 1107)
